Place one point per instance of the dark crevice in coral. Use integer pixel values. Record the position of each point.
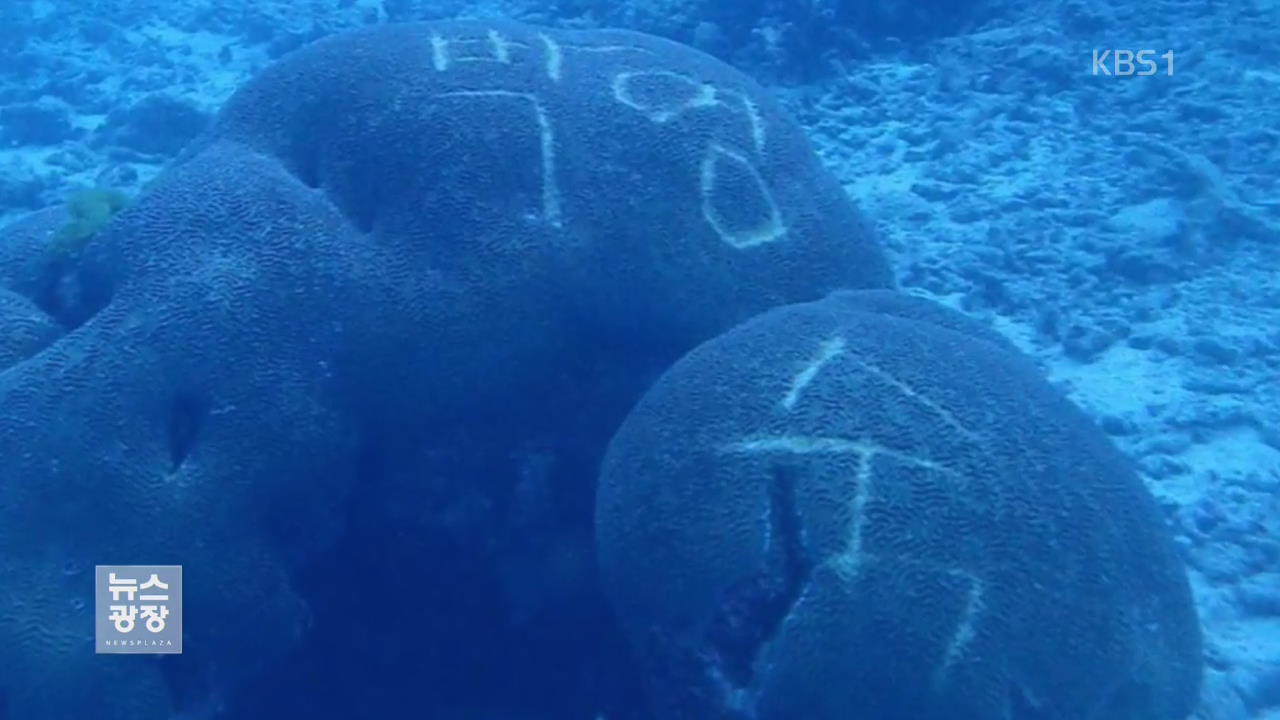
(50, 295)
(70, 293)
(353, 193)
(787, 528)
(305, 164)
(185, 418)
(753, 609)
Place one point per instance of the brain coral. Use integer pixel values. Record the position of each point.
(834, 512)
(390, 232)
(27, 330)
(25, 255)
(186, 422)
(524, 195)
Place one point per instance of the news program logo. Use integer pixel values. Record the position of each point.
(138, 609)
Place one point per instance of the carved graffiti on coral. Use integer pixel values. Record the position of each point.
(729, 182)
(554, 57)
(663, 96)
(495, 47)
(829, 350)
(552, 211)
(916, 396)
(768, 227)
(850, 560)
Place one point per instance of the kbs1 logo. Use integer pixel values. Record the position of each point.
(138, 609)
(1126, 63)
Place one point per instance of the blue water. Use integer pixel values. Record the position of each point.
(661, 360)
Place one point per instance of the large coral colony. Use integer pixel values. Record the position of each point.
(402, 256)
